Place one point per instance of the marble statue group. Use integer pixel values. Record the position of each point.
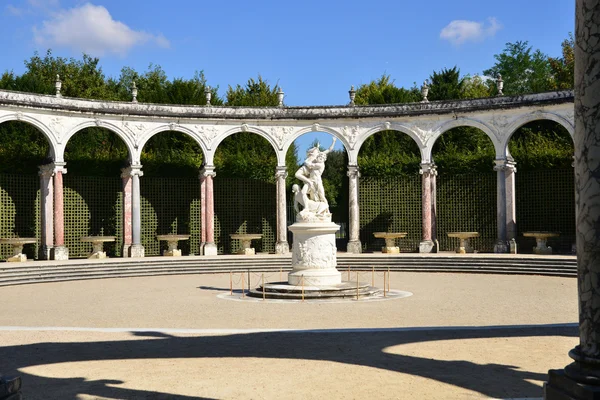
(312, 194)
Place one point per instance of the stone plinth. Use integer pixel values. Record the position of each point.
(390, 237)
(17, 245)
(464, 246)
(314, 254)
(172, 240)
(541, 238)
(97, 245)
(246, 239)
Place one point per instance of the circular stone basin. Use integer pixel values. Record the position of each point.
(463, 235)
(98, 239)
(171, 237)
(18, 241)
(541, 234)
(389, 235)
(246, 236)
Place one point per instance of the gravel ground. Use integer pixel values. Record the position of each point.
(459, 336)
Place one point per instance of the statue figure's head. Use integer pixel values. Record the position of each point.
(312, 151)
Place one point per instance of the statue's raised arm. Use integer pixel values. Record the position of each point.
(330, 147)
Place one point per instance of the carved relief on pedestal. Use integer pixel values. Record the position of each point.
(315, 252)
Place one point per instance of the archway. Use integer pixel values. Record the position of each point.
(24, 148)
(390, 190)
(466, 187)
(545, 184)
(170, 191)
(244, 192)
(93, 192)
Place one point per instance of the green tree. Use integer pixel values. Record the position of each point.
(446, 85)
(256, 93)
(383, 91)
(475, 87)
(563, 68)
(523, 70)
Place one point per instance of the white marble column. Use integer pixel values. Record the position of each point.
(127, 183)
(427, 171)
(137, 249)
(354, 245)
(581, 379)
(209, 248)
(433, 181)
(46, 211)
(505, 203)
(60, 251)
(282, 246)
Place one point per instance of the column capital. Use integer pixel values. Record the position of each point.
(428, 168)
(353, 171)
(281, 171)
(46, 170)
(131, 171)
(208, 170)
(503, 164)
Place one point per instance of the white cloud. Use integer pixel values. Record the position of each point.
(91, 29)
(458, 32)
(14, 11)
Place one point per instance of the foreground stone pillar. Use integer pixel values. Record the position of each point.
(46, 211)
(282, 246)
(209, 248)
(505, 206)
(427, 171)
(581, 379)
(127, 199)
(137, 250)
(354, 245)
(60, 251)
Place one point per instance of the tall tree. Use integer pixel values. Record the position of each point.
(523, 70)
(256, 93)
(446, 85)
(563, 68)
(383, 91)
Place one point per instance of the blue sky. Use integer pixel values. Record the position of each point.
(315, 50)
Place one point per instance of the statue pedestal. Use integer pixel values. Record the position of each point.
(314, 254)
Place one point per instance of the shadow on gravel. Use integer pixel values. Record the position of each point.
(354, 347)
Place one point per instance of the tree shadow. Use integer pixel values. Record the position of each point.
(353, 347)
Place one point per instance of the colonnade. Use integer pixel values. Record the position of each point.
(53, 228)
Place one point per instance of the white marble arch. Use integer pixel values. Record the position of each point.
(61, 146)
(146, 136)
(394, 126)
(565, 121)
(241, 129)
(31, 120)
(308, 129)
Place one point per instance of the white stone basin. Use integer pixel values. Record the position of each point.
(172, 239)
(464, 246)
(390, 237)
(97, 245)
(17, 245)
(540, 238)
(246, 239)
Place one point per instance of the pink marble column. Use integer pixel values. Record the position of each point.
(433, 186)
(281, 246)
(505, 207)
(202, 211)
(46, 211)
(60, 250)
(209, 248)
(127, 196)
(426, 245)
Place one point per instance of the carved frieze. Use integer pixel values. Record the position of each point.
(351, 134)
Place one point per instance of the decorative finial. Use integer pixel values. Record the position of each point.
(500, 85)
(280, 95)
(134, 93)
(208, 94)
(352, 94)
(58, 85)
(425, 91)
